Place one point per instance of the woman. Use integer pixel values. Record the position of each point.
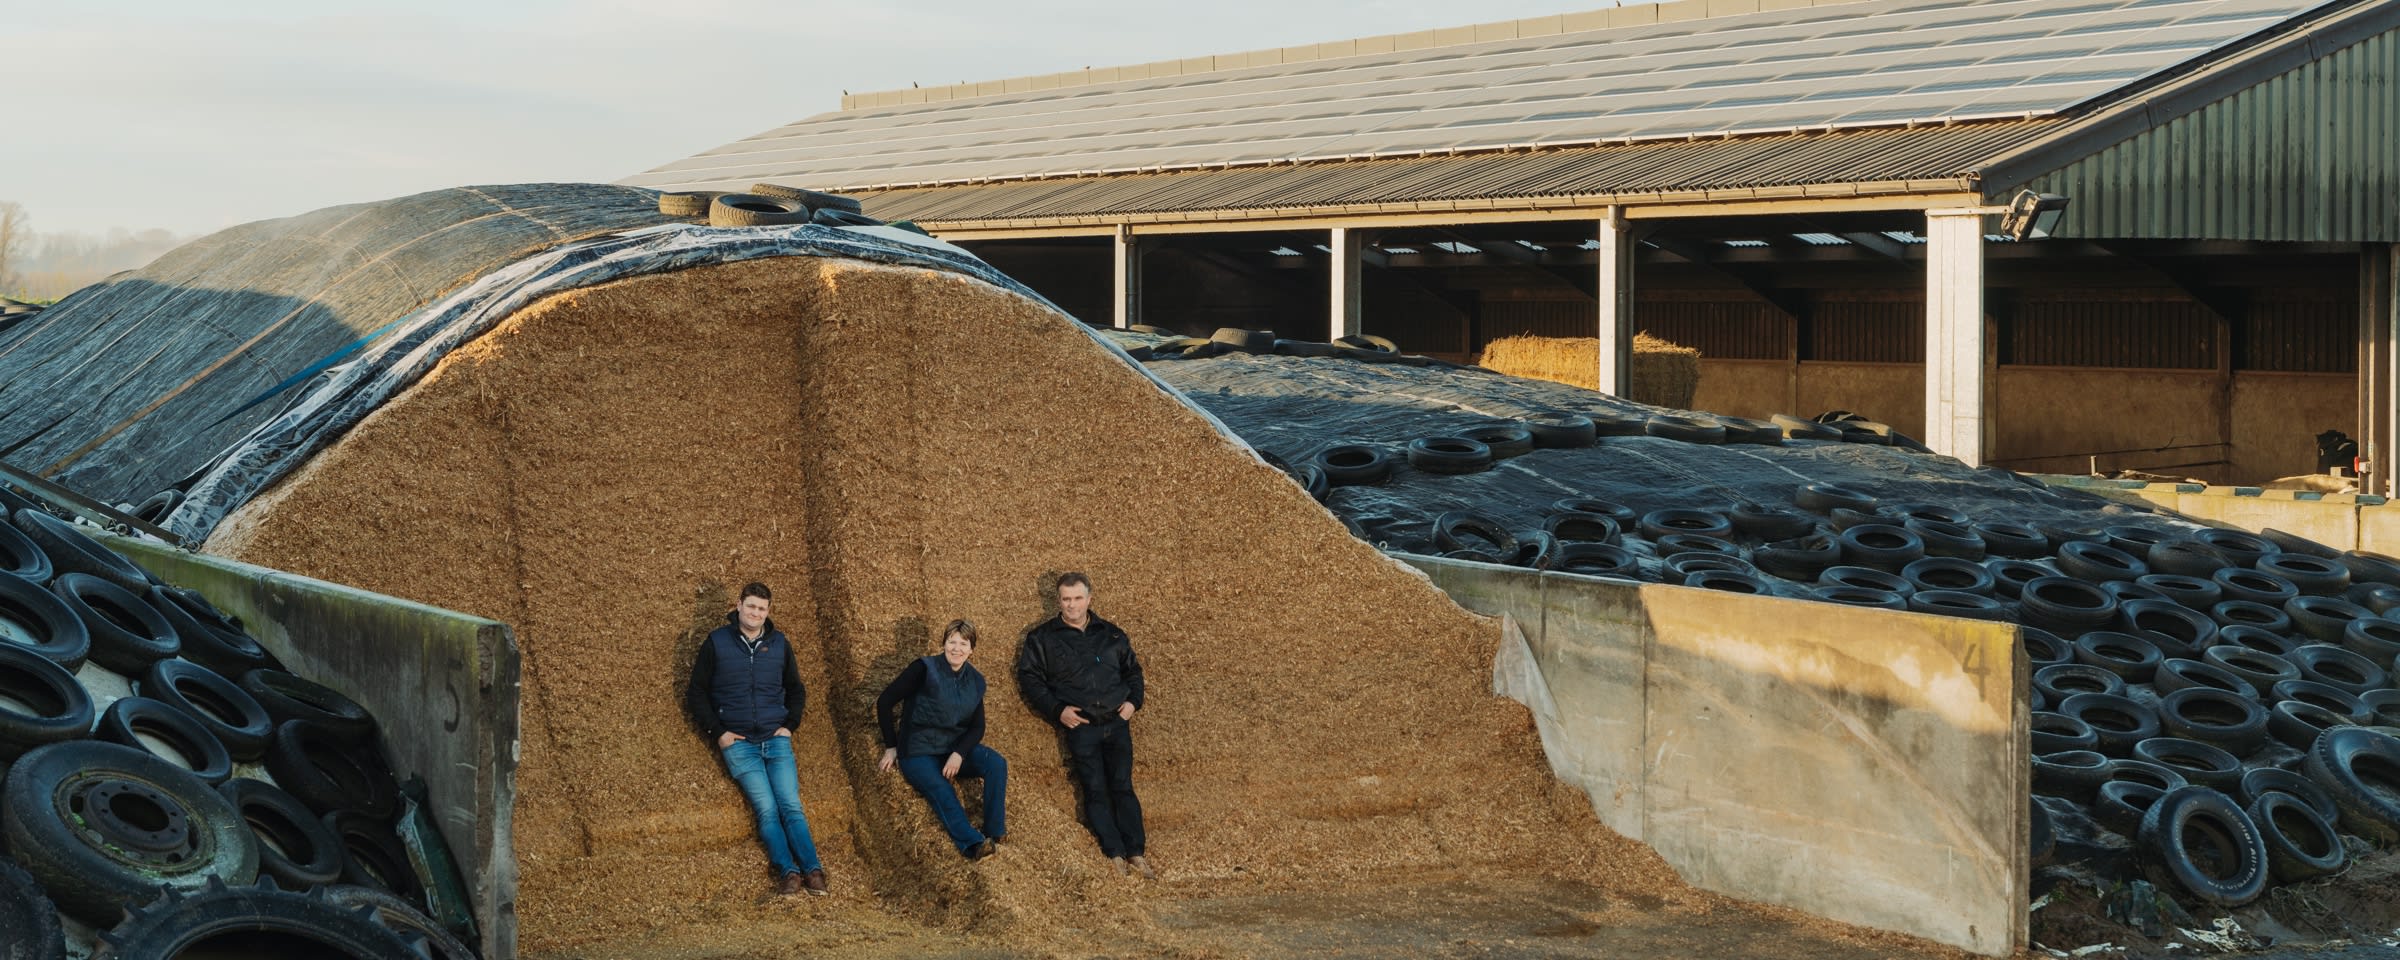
(940, 738)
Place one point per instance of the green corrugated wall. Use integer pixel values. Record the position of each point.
(2310, 155)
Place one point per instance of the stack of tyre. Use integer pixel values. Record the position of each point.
(1364, 348)
(772, 205)
(169, 789)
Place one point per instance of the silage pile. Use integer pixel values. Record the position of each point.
(891, 448)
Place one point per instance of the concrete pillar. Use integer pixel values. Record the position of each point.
(1954, 334)
(1126, 290)
(1346, 286)
(1617, 247)
(2378, 366)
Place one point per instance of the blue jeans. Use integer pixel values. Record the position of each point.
(770, 780)
(925, 774)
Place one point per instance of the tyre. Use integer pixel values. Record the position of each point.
(1186, 348)
(1881, 546)
(2096, 562)
(2251, 613)
(2185, 558)
(1305, 348)
(1574, 527)
(183, 924)
(44, 704)
(2324, 618)
(2043, 648)
(1661, 523)
(1562, 431)
(2013, 540)
(2371, 568)
(1843, 518)
(1535, 550)
(2260, 781)
(1824, 497)
(2190, 630)
(1866, 578)
(1597, 559)
(824, 216)
(2208, 715)
(2341, 702)
(1355, 464)
(1729, 581)
(2073, 774)
(2301, 842)
(2256, 638)
(2201, 841)
(1948, 573)
(1465, 530)
(2293, 543)
(2193, 592)
(2179, 674)
(1313, 481)
(812, 198)
(685, 204)
(2120, 804)
(289, 698)
(1685, 429)
(130, 720)
(2360, 769)
(329, 773)
(2009, 577)
(29, 928)
(2298, 723)
(1795, 428)
(403, 917)
(2339, 668)
(1746, 430)
(2261, 671)
(1861, 597)
(1679, 544)
(1801, 560)
(1953, 603)
(752, 210)
(1609, 423)
(2255, 586)
(2066, 605)
(21, 558)
(1772, 523)
(373, 857)
(1448, 455)
(2123, 654)
(210, 642)
(2125, 590)
(105, 826)
(70, 551)
(2057, 732)
(1945, 539)
(2158, 776)
(2119, 722)
(2377, 639)
(2063, 680)
(294, 847)
(1622, 514)
(2240, 549)
(2379, 597)
(2383, 708)
(1369, 343)
(2136, 541)
(1239, 340)
(2315, 576)
(2198, 762)
(127, 636)
(35, 619)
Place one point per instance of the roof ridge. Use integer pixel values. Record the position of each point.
(1639, 14)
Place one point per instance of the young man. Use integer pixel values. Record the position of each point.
(746, 696)
(1080, 672)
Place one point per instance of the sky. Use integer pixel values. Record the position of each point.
(193, 117)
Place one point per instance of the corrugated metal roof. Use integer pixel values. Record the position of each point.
(1874, 63)
(1925, 158)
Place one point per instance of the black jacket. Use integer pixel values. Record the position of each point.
(700, 697)
(1093, 668)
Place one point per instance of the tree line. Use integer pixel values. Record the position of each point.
(46, 266)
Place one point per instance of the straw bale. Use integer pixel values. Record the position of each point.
(1664, 374)
(891, 448)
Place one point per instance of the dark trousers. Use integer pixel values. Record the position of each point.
(1101, 755)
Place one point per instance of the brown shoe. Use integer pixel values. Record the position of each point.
(789, 886)
(1119, 863)
(1141, 865)
(814, 882)
(982, 850)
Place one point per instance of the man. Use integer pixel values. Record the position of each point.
(746, 696)
(1080, 672)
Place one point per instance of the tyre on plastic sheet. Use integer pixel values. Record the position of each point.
(1622, 514)
(2120, 804)
(1505, 440)
(2197, 593)
(2360, 769)
(29, 927)
(1245, 341)
(47, 704)
(105, 826)
(2377, 639)
(2189, 628)
(1312, 479)
(1449, 455)
(295, 848)
(1611, 423)
(2053, 732)
(1685, 429)
(2073, 774)
(1155, 331)
(1597, 559)
(2013, 540)
(1866, 578)
(2316, 576)
(1536, 550)
(403, 917)
(1679, 544)
(127, 636)
(21, 558)
(1354, 464)
(211, 642)
(2182, 674)
(1581, 527)
(1956, 603)
(752, 210)
(2251, 613)
(2336, 667)
(2371, 568)
(1746, 430)
(2085, 560)
(1881, 546)
(173, 925)
(288, 697)
(2255, 586)
(1368, 342)
(2059, 681)
(1843, 518)
(2199, 762)
(1661, 523)
(1729, 581)
(2185, 558)
(1772, 523)
(2298, 723)
(1801, 559)
(2261, 670)
(2119, 721)
(2069, 605)
(2009, 576)
(2342, 702)
(691, 204)
(2260, 781)
(329, 773)
(2240, 549)
(1452, 530)
(1861, 596)
(1825, 497)
(2203, 842)
(2301, 842)
(372, 856)
(1186, 348)
(2244, 635)
(128, 720)
(1305, 348)
(2123, 654)
(829, 217)
(1690, 562)
(2043, 648)
(2135, 540)
(223, 708)
(1564, 431)
(812, 198)
(1948, 573)
(72, 551)
(1945, 539)
(35, 619)
(2295, 543)
(1795, 428)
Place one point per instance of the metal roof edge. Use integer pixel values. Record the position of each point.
(2139, 108)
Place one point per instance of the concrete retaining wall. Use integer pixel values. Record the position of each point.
(1862, 765)
(443, 685)
(2344, 521)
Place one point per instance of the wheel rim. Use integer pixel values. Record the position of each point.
(129, 820)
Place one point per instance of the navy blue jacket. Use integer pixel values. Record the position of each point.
(747, 690)
(945, 709)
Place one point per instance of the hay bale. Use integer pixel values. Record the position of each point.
(891, 448)
(1664, 374)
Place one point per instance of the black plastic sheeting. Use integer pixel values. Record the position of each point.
(226, 364)
(133, 384)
